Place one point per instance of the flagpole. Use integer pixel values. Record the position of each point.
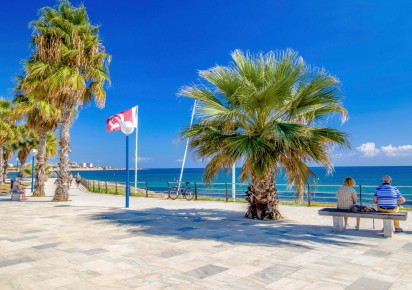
(135, 153)
(187, 145)
(234, 181)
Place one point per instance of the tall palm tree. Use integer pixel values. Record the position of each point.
(266, 111)
(6, 131)
(72, 65)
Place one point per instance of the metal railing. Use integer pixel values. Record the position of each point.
(114, 187)
(320, 193)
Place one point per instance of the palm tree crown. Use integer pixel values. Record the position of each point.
(69, 57)
(265, 110)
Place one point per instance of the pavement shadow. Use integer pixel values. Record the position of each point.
(230, 227)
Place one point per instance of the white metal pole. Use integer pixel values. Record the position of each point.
(234, 181)
(135, 152)
(187, 145)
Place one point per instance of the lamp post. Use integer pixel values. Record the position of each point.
(33, 153)
(17, 165)
(127, 129)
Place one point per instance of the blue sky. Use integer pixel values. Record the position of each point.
(158, 46)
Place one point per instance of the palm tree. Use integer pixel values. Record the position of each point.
(265, 111)
(6, 131)
(71, 64)
(41, 117)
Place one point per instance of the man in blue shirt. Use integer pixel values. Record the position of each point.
(388, 198)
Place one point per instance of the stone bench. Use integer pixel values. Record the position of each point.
(386, 217)
(16, 196)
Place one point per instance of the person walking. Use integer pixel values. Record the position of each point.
(78, 178)
(388, 198)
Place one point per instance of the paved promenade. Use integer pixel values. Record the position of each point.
(92, 242)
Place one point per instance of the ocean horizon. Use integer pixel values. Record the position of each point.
(158, 179)
(369, 177)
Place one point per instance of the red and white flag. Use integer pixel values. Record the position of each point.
(114, 123)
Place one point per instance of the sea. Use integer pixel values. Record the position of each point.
(322, 189)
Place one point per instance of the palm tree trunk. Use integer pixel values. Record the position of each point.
(1, 162)
(4, 171)
(22, 155)
(41, 158)
(263, 198)
(6, 157)
(62, 190)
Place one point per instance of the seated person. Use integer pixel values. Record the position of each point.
(388, 198)
(17, 187)
(347, 198)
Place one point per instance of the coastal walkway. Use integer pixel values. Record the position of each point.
(92, 242)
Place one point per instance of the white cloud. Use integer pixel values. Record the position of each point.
(397, 151)
(368, 149)
(179, 160)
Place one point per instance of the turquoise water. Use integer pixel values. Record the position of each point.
(369, 177)
(158, 177)
(327, 185)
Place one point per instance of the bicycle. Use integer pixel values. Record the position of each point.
(185, 191)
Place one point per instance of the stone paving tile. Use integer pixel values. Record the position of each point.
(367, 283)
(205, 271)
(94, 251)
(171, 253)
(13, 262)
(326, 285)
(273, 273)
(46, 246)
(14, 240)
(407, 247)
(288, 284)
(377, 253)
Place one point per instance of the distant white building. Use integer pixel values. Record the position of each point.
(73, 164)
(86, 165)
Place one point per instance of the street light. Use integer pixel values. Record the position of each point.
(127, 129)
(33, 153)
(17, 165)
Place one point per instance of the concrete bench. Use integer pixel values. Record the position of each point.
(386, 217)
(16, 196)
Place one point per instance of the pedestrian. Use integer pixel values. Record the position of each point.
(78, 178)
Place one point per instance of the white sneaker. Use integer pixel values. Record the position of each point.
(346, 226)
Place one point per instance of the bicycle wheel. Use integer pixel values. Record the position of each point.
(173, 193)
(189, 194)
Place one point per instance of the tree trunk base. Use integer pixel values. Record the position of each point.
(262, 212)
(62, 192)
(263, 200)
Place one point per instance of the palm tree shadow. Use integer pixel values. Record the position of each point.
(229, 227)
